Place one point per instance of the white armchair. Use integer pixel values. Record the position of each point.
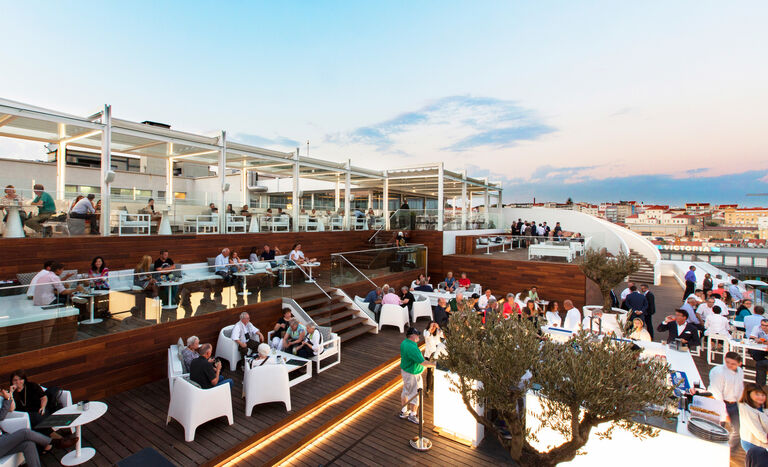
(361, 223)
(337, 223)
(314, 224)
(422, 308)
(266, 383)
(14, 421)
(192, 406)
(236, 224)
(331, 348)
(281, 222)
(226, 348)
(393, 315)
(139, 222)
(206, 223)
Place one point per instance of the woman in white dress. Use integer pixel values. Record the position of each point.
(553, 315)
(297, 256)
(639, 333)
(433, 346)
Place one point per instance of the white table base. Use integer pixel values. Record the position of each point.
(80, 455)
(245, 291)
(13, 227)
(92, 320)
(285, 283)
(165, 225)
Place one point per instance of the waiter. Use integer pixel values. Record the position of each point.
(726, 383)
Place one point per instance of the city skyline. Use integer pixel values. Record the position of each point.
(656, 102)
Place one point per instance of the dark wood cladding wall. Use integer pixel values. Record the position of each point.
(28, 254)
(397, 280)
(434, 242)
(101, 366)
(555, 281)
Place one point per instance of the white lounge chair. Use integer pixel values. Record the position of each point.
(331, 348)
(192, 406)
(266, 383)
(422, 308)
(202, 224)
(337, 223)
(236, 224)
(226, 348)
(281, 222)
(393, 315)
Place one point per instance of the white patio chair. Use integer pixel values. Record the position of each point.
(266, 383)
(712, 342)
(314, 225)
(139, 222)
(14, 421)
(303, 221)
(337, 223)
(226, 348)
(361, 223)
(378, 223)
(281, 222)
(192, 406)
(422, 308)
(331, 348)
(393, 315)
(236, 224)
(202, 224)
(175, 366)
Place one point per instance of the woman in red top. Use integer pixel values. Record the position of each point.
(463, 281)
(510, 306)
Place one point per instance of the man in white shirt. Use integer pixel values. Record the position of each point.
(46, 269)
(572, 316)
(246, 335)
(705, 309)
(225, 266)
(735, 291)
(84, 210)
(482, 302)
(626, 291)
(717, 324)
(726, 383)
(49, 289)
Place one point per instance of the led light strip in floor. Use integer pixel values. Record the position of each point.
(247, 452)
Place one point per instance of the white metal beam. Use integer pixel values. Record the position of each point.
(106, 167)
(347, 193)
(296, 200)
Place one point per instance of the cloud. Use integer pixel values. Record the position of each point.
(452, 123)
(262, 141)
(547, 171)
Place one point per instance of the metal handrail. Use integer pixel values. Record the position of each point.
(355, 267)
(376, 249)
(314, 282)
(383, 226)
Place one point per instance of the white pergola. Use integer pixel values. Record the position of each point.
(102, 133)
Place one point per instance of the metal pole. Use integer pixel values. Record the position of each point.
(222, 181)
(385, 201)
(347, 193)
(464, 200)
(296, 200)
(421, 443)
(106, 167)
(61, 171)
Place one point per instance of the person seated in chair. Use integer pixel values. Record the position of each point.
(25, 440)
(464, 282)
(294, 336)
(406, 300)
(450, 282)
(373, 299)
(246, 335)
(442, 311)
(268, 254)
(205, 373)
(423, 287)
(150, 209)
(49, 290)
(482, 301)
(297, 256)
(225, 266)
(679, 327)
(244, 211)
(84, 209)
(310, 346)
(190, 352)
(262, 356)
(280, 327)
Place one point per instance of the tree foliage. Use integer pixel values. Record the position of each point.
(584, 383)
(607, 271)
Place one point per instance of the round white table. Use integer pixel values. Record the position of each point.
(81, 454)
(309, 266)
(245, 283)
(170, 305)
(13, 227)
(91, 296)
(285, 283)
(165, 223)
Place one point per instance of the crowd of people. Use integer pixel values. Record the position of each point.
(532, 229)
(82, 207)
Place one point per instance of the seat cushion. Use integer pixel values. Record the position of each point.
(25, 278)
(228, 333)
(325, 332)
(211, 261)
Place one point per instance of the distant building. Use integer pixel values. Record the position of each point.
(745, 216)
(762, 228)
(697, 208)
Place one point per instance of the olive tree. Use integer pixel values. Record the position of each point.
(607, 271)
(584, 383)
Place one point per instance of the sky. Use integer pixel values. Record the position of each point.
(654, 101)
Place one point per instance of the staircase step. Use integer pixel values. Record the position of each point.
(350, 323)
(332, 308)
(322, 301)
(356, 331)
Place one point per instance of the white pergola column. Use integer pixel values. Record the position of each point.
(61, 171)
(222, 181)
(487, 203)
(106, 170)
(347, 193)
(385, 201)
(296, 200)
(169, 178)
(312, 201)
(500, 208)
(336, 200)
(370, 200)
(243, 187)
(463, 199)
(440, 197)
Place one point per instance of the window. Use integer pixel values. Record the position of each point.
(761, 262)
(432, 203)
(130, 193)
(82, 189)
(279, 201)
(731, 260)
(745, 261)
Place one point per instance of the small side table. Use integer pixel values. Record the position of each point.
(80, 454)
(245, 283)
(309, 266)
(170, 285)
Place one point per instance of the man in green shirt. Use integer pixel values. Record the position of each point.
(412, 364)
(47, 208)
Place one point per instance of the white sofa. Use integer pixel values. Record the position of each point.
(236, 224)
(202, 224)
(197, 272)
(192, 406)
(140, 223)
(122, 281)
(266, 383)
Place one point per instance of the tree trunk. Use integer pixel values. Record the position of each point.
(607, 302)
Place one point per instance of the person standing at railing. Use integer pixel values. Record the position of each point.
(558, 231)
(412, 365)
(690, 281)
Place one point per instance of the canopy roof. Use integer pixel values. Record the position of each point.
(32, 123)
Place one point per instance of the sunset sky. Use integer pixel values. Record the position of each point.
(656, 101)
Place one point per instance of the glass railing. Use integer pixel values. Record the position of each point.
(82, 306)
(539, 248)
(364, 265)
